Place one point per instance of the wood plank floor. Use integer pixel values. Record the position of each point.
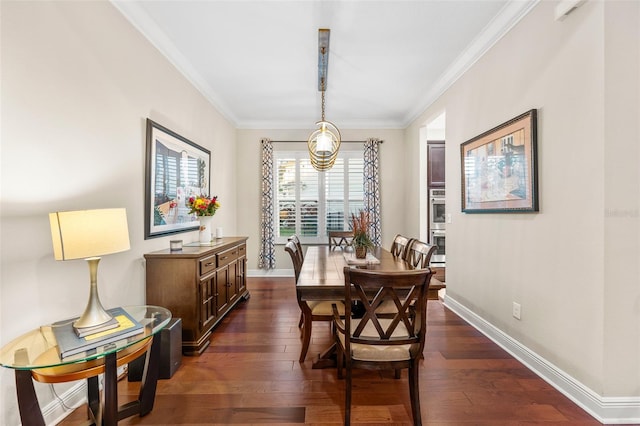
(250, 375)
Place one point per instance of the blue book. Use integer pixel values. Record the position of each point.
(70, 344)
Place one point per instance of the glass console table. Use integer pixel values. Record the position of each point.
(34, 355)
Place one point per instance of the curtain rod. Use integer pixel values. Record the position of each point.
(380, 141)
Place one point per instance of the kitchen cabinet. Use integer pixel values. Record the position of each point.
(435, 164)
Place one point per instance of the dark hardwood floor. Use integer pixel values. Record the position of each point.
(250, 375)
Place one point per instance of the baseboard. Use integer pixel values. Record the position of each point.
(54, 412)
(270, 273)
(607, 410)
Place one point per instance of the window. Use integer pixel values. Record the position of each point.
(175, 169)
(310, 203)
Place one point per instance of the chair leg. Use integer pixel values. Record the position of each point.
(301, 320)
(339, 361)
(306, 337)
(414, 392)
(347, 391)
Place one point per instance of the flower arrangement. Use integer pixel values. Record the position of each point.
(203, 205)
(360, 227)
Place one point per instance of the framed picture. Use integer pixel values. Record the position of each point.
(176, 169)
(499, 168)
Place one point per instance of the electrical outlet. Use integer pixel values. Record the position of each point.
(516, 310)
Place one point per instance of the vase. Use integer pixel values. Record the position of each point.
(206, 225)
(361, 252)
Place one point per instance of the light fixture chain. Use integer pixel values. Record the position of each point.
(323, 102)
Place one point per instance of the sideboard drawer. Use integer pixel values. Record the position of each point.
(207, 265)
(227, 256)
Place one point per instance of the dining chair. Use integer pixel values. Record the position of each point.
(400, 249)
(298, 244)
(399, 246)
(340, 239)
(419, 253)
(312, 310)
(375, 343)
(300, 260)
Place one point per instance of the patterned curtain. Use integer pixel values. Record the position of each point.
(372, 188)
(267, 256)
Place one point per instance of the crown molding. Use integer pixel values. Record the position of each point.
(506, 19)
(136, 15)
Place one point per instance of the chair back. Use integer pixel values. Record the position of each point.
(340, 239)
(419, 254)
(296, 257)
(406, 289)
(399, 246)
(296, 240)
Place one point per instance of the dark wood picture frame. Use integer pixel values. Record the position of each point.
(500, 168)
(176, 168)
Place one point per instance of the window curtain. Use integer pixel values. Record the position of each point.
(372, 188)
(267, 256)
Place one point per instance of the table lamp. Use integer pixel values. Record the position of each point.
(89, 234)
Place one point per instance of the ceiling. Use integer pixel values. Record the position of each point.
(257, 61)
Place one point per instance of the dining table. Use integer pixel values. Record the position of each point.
(322, 278)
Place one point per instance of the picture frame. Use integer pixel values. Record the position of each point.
(500, 168)
(176, 169)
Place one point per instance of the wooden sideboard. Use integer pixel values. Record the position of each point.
(199, 284)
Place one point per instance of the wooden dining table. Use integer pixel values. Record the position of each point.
(322, 278)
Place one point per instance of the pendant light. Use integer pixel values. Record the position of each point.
(324, 142)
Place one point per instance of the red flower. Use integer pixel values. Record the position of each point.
(203, 205)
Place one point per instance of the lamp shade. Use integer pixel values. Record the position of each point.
(89, 233)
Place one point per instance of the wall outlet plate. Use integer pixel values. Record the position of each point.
(516, 310)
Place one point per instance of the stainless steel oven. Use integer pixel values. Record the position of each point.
(438, 239)
(437, 216)
(437, 221)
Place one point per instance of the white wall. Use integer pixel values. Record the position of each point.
(621, 231)
(78, 82)
(249, 180)
(573, 267)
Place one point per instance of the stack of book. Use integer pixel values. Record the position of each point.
(72, 341)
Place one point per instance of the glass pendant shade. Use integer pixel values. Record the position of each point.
(324, 141)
